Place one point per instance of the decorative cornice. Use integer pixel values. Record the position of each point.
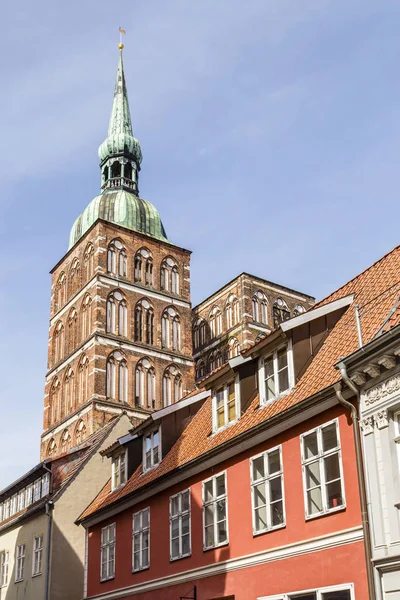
(358, 378)
(372, 370)
(381, 391)
(387, 361)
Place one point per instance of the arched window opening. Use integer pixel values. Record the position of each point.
(196, 334)
(260, 307)
(215, 322)
(232, 311)
(233, 348)
(171, 329)
(74, 276)
(117, 314)
(149, 272)
(72, 330)
(55, 400)
(169, 275)
(212, 361)
(80, 432)
(128, 171)
(83, 391)
(66, 441)
(68, 393)
(298, 310)
(117, 259)
(116, 170)
(200, 369)
(52, 447)
(117, 377)
(88, 262)
(280, 312)
(60, 295)
(86, 317)
(138, 268)
(172, 385)
(202, 333)
(144, 322)
(143, 272)
(59, 342)
(145, 384)
(218, 359)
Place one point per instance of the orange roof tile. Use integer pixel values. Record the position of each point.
(196, 440)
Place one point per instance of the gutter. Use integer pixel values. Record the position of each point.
(360, 472)
(49, 513)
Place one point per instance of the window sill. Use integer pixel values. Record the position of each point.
(265, 403)
(150, 468)
(326, 513)
(36, 574)
(114, 489)
(18, 580)
(216, 546)
(107, 579)
(220, 429)
(180, 557)
(140, 570)
(264, 531)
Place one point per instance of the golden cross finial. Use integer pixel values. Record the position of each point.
(121, 33)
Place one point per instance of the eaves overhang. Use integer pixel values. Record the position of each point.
(386, 342)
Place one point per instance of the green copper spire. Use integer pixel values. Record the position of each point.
(120, 158)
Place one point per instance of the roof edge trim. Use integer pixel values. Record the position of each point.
(163, 412)
(315, 313)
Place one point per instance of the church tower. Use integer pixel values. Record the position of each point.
(120, 320)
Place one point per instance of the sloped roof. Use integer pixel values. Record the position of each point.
(370, 288)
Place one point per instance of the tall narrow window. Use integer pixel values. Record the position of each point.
(267, 490)
(107, 554)
(4, 568)
(139, 385)
(215, 322)
(179, 519)
(145, 384)
(171, 329)
(233, 348)
(176, 333)
(215, 514)
(260, 307)
(55, 400)
(88, 262)
(141, 540)
(86, 316)
(226, 405)
(322, 469)
(175, 280)
(143, 271)
(144, 322)
(68, 392)
(169, 275)
(117, 314)
(74, 276)
(83, 385)
(72, 330)
(117, 377)
(151, 450)
(149, 272)
(276, 374)
(59, 342)
(19, 562)
(66, 441)
(118, 469)
(37, 555)
(138, 268)
(80, 432)
(117, 259)
(231, 311)
(151, 388)
(59, 292)
(172, 385)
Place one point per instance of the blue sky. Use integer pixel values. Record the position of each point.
(271, 138)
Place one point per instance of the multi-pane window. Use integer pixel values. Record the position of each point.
(118, 470)
(179, 517)
(29, 495)
(275, 374)
(14, 504)
(267, 490)
(37, 488)
(151, 450)
(141, 540)
(215, 514)
(329, 593)
(7, 508)
(21, 500)
(322, 469)
(4, 568)
(45, 484)
(19, 562)
(37, 555)
(225, 405)
(107, 554)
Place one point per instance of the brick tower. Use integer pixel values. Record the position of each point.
(120, 319)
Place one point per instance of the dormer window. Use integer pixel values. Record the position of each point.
(226, 405)
(118, 470)
(151, 450)
(276, 374)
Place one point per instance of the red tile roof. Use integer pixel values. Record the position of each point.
(368, 287)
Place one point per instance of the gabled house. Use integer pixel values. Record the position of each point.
(257, 494)
(41, 549)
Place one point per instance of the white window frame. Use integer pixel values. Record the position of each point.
(179, 516)
(214, 501)
(37, 555)
(4, 565)
(20, 555)
(261, 373)
(21, 500)
(343, 587)
(267, 478)
(140, 533)
(14, 505)
(105, 548)
(153, 464)
(37, 489)
(45, 484)
(226, 399)
(29, 495)
(1, 511)
(116, 466)
(320, 458)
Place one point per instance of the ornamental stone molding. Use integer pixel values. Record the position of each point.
(367, 425)
(372, 370)
(387, 361)
(381, 418)
(358, 378)
(381, 391)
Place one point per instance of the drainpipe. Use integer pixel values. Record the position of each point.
(360, 473)
(49, 513)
